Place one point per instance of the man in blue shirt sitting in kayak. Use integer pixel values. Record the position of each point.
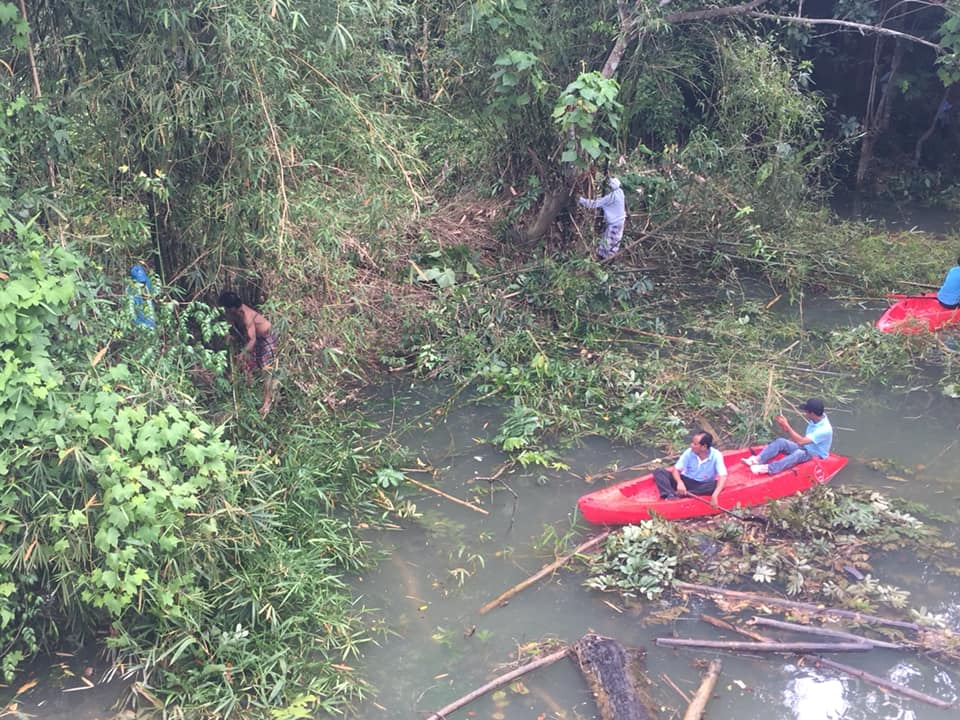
(949, 293)
(699, 471)
(814, 443)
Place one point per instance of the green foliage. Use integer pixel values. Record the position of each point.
(589, 100)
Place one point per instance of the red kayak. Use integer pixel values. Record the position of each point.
(915, 314)
(635, 500)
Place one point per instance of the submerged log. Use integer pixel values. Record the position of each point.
(614, 674)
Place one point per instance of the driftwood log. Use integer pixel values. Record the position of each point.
(614, 674)
(699, 703)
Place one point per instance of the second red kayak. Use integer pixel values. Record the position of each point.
(635, 500)
(915, 314)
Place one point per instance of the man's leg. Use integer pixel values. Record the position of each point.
(780, 445)
(699, 488)
(665, 483)
(795, 458)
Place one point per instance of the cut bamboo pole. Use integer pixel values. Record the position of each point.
(544, 571)
(442, 713)
(766, 647)
(709, 682)
(826, 632)
(806, 607)
(451, 498)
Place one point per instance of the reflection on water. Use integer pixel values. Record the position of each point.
(448, 563)
(812, 696)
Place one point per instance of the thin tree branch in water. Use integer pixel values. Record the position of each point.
(544, 571)
(499, 682)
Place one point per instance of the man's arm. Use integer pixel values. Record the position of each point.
(251, 334)
(793, 434)
(681, 488)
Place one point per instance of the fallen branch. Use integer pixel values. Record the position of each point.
(723, 625)
(811, 630)
(442, 713)
(671, 683)
(885, 684)
(546, 570)
(775, 647)
(863, 675)
(451, 498)
(806, 607)
(709, 682)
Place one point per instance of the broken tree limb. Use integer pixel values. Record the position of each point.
(442, 713)
(544, 571)
(775, 647)
(826, 632)
(863, 675)
(451, 498)
(882, 683)
(806, 607)
(724, 625)
(699, 703)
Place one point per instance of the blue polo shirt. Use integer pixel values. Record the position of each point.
(949, 292)
(704, 470)
(821, 436)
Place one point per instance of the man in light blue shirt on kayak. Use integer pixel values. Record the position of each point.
(814, 443)
(949, 293)
(699, 471)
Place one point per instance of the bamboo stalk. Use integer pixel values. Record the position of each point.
(767, 647)
(826, 632)
(544, 571)
(498, 682)
(807, 607)
(451, 498)
(709, 682)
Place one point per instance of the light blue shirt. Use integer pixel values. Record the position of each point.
(702, 470)
(949, 292)
(821, 437)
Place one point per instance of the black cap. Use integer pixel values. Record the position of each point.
(813, 405)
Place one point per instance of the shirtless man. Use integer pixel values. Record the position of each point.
(260, 348)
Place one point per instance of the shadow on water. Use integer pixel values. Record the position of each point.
(449, 562)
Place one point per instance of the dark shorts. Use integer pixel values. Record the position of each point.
(264, 353)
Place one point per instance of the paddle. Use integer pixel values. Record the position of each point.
(741, 518)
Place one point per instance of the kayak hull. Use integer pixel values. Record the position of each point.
(638, 499)
(912, 315)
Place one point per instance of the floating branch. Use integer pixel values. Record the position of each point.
(546, 570)
(810, 630)
(451, 498)
(499, 682)
(767, 647)
(806, 607)
(699, 703)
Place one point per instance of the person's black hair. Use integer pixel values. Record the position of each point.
(705, 438)
(229, 299)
